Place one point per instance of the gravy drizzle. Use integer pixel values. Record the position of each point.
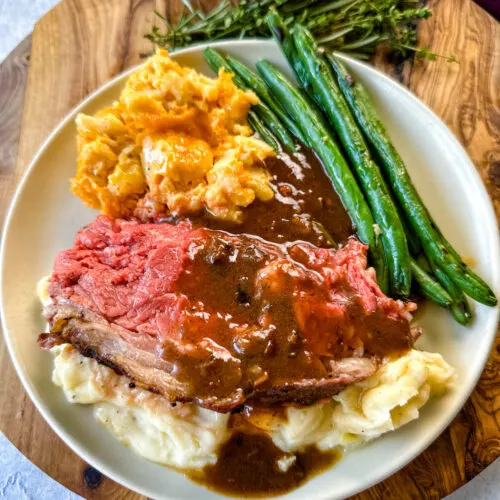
(249, 465)
(304, 206)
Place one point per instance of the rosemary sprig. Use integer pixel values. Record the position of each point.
(353, 26)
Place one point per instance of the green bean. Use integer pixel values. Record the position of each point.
(413, 242)
(215, 60)
(325, 92)
(314, 128)
(273, 123)
(430, 288)
(254, 82)
(262, 131)
(458, 258)
(281, 34)
(408, 197)
(460, 308)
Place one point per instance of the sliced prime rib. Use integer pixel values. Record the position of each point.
(204, 316)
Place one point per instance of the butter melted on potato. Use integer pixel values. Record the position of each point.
(176, 140)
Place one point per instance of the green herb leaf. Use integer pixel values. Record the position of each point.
(354, 26)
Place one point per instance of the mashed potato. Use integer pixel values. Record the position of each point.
(186, 436)
(175, 139)
(363, 411)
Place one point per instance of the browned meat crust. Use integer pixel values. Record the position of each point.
(96, 338)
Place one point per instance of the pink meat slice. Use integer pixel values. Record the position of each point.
(204, 316)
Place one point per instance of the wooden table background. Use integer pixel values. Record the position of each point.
(81, 44)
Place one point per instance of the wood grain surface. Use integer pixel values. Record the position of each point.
(81, 44)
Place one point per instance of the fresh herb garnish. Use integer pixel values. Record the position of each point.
(355, 27)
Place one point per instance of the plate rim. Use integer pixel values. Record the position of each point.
(93, 460)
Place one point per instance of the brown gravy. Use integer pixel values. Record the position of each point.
(270, 308)
(307, 208)
(305, 205)
(248, 466)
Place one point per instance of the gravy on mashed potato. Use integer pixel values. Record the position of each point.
(298, 442)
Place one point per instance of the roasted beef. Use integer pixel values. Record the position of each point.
(201, 315)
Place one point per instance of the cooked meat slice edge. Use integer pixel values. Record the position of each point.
(137, 358)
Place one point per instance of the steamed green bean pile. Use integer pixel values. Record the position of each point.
(332, 113)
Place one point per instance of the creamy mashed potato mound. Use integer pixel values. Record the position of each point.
(184, 436)
(187, 436)
(175, 139)
(365, 410)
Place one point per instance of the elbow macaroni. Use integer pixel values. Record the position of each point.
(175, 140)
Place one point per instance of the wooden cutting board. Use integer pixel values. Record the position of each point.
(81, 44)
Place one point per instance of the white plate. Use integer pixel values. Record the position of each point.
(45, 216)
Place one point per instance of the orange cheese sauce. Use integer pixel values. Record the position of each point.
(176, 141)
